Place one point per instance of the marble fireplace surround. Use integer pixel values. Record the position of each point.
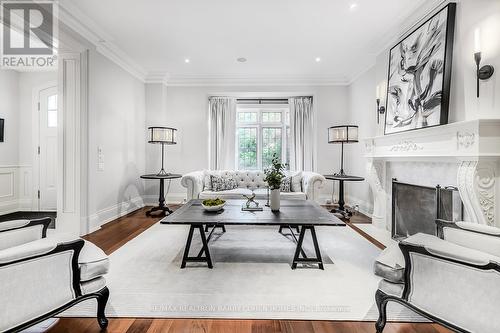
(466, 152)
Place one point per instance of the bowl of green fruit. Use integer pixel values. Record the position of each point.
(213, 205)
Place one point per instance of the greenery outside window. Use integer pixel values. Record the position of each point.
(261, 132)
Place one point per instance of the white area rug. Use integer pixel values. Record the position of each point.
(251, 278)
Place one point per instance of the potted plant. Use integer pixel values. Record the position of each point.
(274, 176)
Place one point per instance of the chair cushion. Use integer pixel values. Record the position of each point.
(393, 289)
(93, 262)
(92, 286)
(7, 225)
(390, 265)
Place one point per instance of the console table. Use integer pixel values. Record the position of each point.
(341, 179)
(161, 206)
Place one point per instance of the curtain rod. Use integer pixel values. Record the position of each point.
(262, 100)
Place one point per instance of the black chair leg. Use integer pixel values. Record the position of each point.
(381, 301)
(102, 300)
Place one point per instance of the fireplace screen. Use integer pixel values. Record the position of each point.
(415, 208)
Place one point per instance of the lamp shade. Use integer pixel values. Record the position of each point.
(343, 134)
(164, 135)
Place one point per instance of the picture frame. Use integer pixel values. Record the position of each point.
(419, 75)
(2, 123)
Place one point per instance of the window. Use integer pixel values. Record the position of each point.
(52, 111)
(261, 132)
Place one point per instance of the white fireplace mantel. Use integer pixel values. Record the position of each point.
(474, 145)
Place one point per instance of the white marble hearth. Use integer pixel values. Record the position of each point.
(464, 154)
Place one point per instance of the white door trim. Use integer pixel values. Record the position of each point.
(72, 193)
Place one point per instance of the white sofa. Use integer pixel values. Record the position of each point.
(307, 185)
(41, 277)
(453, 280)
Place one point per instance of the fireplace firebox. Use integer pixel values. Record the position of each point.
(415, 208)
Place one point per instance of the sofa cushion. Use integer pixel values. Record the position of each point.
(390, 264)
(261, 194)
(237, 193)
(93, 262)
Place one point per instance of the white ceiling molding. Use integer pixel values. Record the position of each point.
(75, 19)
(156, 78)
(80, 23)
(407, 24)
(223, 80)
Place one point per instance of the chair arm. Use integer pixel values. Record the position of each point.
(312, 182)
(451, 282)
(472, 235)
(37, 278)
(17, 232)
(193, 181)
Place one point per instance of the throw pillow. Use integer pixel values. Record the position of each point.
(223, 183)
(286, 184)
(296, 183)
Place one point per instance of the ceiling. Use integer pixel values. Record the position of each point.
(280, 39)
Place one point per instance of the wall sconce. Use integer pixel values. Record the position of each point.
(380, 108)
(485, 72)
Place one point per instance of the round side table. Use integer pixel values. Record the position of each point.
(341, 179)
(161, 206)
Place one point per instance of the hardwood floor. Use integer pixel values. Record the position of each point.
(115, 234)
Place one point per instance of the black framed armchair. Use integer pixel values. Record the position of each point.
(453, 280)
(42, 276)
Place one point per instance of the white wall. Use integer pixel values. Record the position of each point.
(117, 125)
(362, 107)
(463, 102)
(186, 109)
(16, 153)
(9, 149)
(9, 110)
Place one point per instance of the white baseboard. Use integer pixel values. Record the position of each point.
(170, 199)
(103, 216)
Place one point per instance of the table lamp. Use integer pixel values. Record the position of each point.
(163, 136)
(342, 134)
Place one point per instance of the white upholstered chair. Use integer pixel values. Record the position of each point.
(453, 280)
(41, 277)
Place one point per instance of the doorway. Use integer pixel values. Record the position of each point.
(46, 150)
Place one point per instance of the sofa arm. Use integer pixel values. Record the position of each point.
(193, 181)
(451, 282)
(37, 278)
(17, 232)
(471, 235)
(312, 182)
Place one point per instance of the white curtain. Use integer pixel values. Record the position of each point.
(301, 134)
(222, 126)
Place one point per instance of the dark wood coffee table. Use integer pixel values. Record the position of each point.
(293, 213)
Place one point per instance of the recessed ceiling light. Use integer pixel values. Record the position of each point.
(241, 59)
(317, 59)
(353, 6)
(187, 61)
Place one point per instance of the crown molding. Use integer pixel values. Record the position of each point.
(80, 23)
(156, 78)
(407, 23)
(230, 80)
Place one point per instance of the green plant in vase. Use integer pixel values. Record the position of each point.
(274, 176)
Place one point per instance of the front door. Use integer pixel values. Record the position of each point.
(47, 150)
